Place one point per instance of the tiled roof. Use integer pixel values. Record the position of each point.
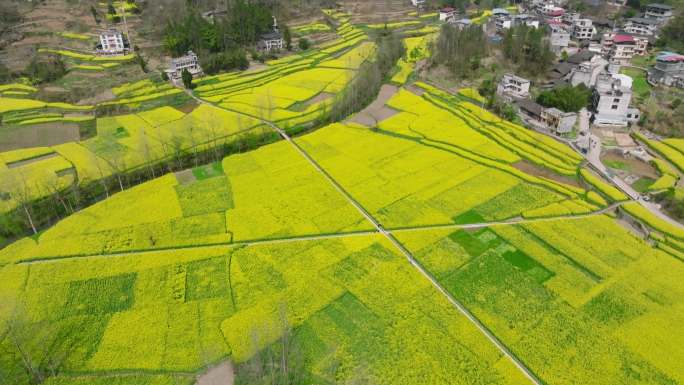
(271, 36)
(671, 58)
(659, 6)
(530, 106)
(620, 38)
(643, 20)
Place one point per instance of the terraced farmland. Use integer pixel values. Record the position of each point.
(222, 264)
(293, 93)
(439, 245)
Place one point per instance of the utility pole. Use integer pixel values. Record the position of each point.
(123, 15)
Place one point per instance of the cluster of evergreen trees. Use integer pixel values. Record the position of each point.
(221, 42)
(460, 50)
(672, 35)
(566, 98)
(526, 47)
(45, 68)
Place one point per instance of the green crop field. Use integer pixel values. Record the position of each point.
(579, 301)
(191, 272)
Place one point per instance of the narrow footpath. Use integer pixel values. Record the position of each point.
(411, 259)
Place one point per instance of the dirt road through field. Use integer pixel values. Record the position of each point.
(222, 374)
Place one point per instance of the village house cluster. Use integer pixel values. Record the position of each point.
(594, 51)
(268, 42)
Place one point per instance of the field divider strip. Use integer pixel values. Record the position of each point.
(313, 237)
(513, 221)
(457, 304)
(253, 242)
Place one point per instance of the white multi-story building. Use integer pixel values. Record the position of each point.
(583, 29)
(570, 18)
(621, 47)
(641, 26)
(513, 86)
(660, 12)
(610, 101)
(559, 38)
(111, 42)
(189, 61)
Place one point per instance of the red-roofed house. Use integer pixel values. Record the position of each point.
(620, 38)
(621, 47)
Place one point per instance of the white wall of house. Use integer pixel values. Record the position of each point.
(112, 43)
(583, 29)
(190, 62)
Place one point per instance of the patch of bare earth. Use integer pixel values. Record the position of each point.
(635, 166)
(255, 66)
(415, 90)
(32, 160)
(37, 135)
(533, 169)
(223, 374)
(185, 176)
(188, 107)
(318, 98)
(633, 227)
(99, 98)
(376, 111)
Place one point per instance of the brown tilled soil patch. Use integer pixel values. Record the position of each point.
(222, 374)
(185, 176)
(99, 98)
(188, 107)
(635, 166)
(377, 111)
(318, 98)
(539, 171)
(415, 90)
(45, 134)
(32, 160)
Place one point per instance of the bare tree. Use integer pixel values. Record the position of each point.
(144, 145)
(33, 351)
(22, 194)
(280, 364)
(55, 187)
(103, 177)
